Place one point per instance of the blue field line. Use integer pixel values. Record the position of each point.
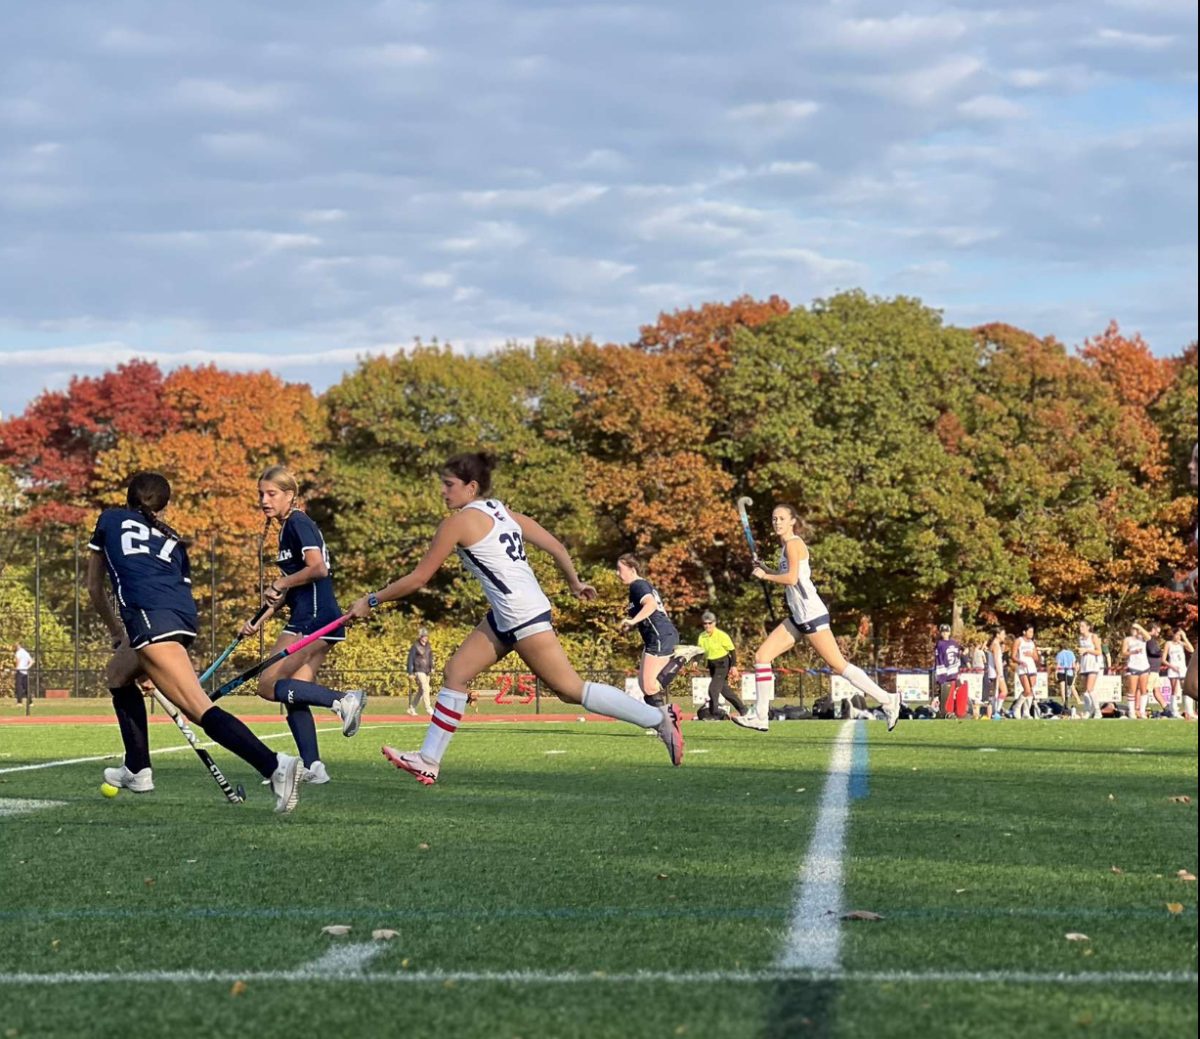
(34, 916)
(858, 765)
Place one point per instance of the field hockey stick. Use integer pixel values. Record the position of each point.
(234, 796)
(287, 651)
(742, 504)
(212, 668)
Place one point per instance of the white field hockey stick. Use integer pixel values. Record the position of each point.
(234, 796)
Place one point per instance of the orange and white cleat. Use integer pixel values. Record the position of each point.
(412, 762)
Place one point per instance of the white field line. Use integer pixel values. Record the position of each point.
(342, 960)
(814, 938)
(21, 805)
(310, 974)
(161, 750)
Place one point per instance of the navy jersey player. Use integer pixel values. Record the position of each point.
(662, 655)
(305, 589)
(807, 617)
(491, 541)
(152, 627)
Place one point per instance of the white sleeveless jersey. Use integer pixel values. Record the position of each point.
(991, 662)
(1024, 652)
(498, 560)
(803, 602)
(1090, 661)
(1137, 660)
(1176, 660)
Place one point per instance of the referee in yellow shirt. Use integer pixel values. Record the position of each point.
(721, 658)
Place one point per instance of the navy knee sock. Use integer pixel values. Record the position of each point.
(130, 707)
(293, 691)
(232, 734)
(304, 731)
(670, 669)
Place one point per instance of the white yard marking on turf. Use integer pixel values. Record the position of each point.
(814, 938)
(987, 750)
(554, 752)
(534, 977)
(702, 750)
(341, 960)
(22, 806)
(162, 750)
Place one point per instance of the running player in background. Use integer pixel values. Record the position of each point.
(807, 617)
(1137, 670)
(995, 687)
(490, 540)
(148, 567)
(662, 655)
(306, 589)
(1028, 659)
(1091, 664)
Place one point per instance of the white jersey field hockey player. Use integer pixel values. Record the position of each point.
(491, 542)
(807, 618)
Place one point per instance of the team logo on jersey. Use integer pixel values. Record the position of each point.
(284, 555)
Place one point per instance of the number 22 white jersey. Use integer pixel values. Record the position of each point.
(498, 559)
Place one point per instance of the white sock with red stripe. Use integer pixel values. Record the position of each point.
(764, 689)
(447, 713)
(609, 700)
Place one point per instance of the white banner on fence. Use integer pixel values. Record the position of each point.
(974, 680)
(748, 693)
(633, 689)
(1108, 689)
(700, 692)
(840, 689)
(912, 685)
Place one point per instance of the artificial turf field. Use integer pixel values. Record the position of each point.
(563, 880)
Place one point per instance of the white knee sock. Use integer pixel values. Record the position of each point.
(764, 690)
(857, 677)
(607, 699)
(447, 713)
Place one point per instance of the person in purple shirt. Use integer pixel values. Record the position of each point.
(947, 663)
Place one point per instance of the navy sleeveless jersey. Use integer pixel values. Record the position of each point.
(657, 627)
(148, 569)
(298, 534)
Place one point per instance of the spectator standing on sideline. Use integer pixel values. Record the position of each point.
(1154, 655)
(22, 661)
(1064, 665)
(1177, 649)
(721, 658)
(420, 667)
(978, 656)
(947, 663)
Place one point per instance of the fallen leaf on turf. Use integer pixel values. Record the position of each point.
(1075, 936)
(336, 929)
(1085, 1019)
(861, 914)
(960, 890)
(422, 846)
(54, 943)
(404, 963)
(1181, 799)
(237, 988)
(1183, 874)
(1088, 951)
(1174, 908)
(384, 935)
(1111, 797)
(191, 862)
(1115, 869)
(664, 876)
(149, 882)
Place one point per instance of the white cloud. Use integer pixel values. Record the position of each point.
(1122, 39)
(787, 111)
(990, 106)
(214, 95)
(887, 35)
(553, 198)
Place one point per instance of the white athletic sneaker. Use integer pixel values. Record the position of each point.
(891, 710)
(285, 782)
(749, 720)
(316, 774)
(135, 782)
(686, 653)
(412, 711)
(350, 707)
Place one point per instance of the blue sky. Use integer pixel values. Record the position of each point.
(291, 185)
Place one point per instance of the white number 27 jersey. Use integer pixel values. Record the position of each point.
(498, 559)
